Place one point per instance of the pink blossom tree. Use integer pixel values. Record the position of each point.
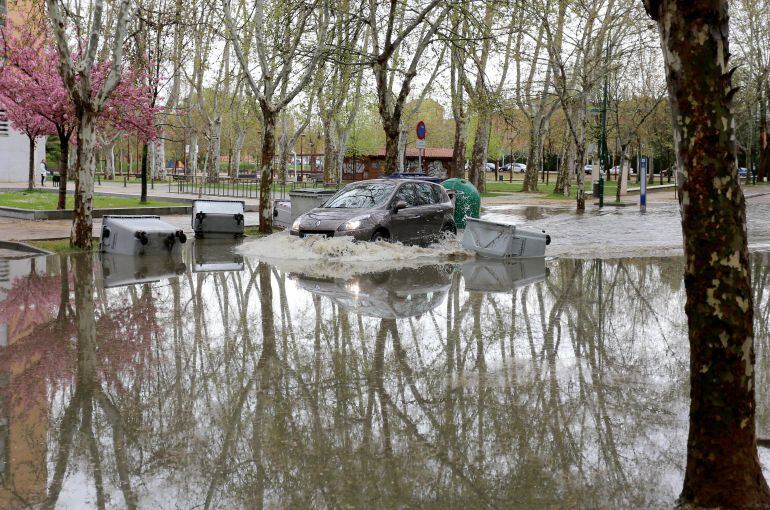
(32, 81)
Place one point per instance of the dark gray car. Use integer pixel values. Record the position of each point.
(409, 211)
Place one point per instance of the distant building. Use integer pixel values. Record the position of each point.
(14, 145)
(436, 162)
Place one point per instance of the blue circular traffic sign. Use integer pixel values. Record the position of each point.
(420, 130)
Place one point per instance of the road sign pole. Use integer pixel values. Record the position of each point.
(419, 160)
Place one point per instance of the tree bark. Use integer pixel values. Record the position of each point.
(31, 183)
(143, 197)
(533, 158)
(215, 145)
(266, 169)
(723, 468)
(457, 169)
(563, 174)
(64, 146)
(391, 148)
(478, 166)
(110, 150)
(762, 170)
(82, 224)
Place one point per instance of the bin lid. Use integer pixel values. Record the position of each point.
(218, 206)
(312, 192)
(136, 223)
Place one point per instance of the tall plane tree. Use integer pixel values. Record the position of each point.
(391, 27)
(88, 95)
(289, 37)
(723, 469)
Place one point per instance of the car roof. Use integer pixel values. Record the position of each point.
(395, 181)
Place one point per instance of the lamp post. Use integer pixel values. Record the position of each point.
(301, 157)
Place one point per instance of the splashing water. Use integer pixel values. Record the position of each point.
(341, 257)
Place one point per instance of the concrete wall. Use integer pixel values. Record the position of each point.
(14, 156)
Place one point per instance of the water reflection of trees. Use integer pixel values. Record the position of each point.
(239, 389)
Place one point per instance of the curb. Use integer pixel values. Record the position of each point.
(23, 247)
(56, 214)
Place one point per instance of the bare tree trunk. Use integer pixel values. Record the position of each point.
(392, 136)
(563, 175)
(478, 169)
(82, 224)
(763, 149)
(457, 168)
(64, 147)
(723, 469)
(110, 150)
(159, 166)
(266, 169)
(533, 158)
(402, 139)
(330, 149)
(192, 153)
(235, 164)
(214, 149)
(31, 181)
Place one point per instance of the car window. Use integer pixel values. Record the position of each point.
(438, 195)
(407, 193)
(360, 196)
(424, 194)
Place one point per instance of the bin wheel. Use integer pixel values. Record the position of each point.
(380, 235)
(547, 239)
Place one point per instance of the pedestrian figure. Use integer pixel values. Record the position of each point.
(43, 172)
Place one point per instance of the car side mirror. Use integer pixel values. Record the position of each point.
(401, 204)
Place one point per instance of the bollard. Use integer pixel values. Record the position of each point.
(601, 191)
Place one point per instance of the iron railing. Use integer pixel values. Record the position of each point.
(238, 187)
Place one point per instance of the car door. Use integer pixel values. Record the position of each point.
(404, 224)
(432, 212)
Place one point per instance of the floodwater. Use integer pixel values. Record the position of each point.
(359, 378)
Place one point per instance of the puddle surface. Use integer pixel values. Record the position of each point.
(219, 381)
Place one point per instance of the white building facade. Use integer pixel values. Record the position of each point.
(14, 154)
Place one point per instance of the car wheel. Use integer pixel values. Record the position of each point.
(380, 235)
(449, 227)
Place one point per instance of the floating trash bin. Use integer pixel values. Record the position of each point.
(488, 275)
(304, 200)
(216, 256)
(218, 218)
(119, 270)
(282, 213)
(467, 200)
(498, 240)
(140, 235)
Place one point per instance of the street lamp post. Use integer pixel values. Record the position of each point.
(301, 157)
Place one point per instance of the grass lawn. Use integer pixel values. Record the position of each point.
(547, 189)
(45, 200)
(61, 245)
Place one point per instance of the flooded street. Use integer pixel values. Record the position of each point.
(306, 375)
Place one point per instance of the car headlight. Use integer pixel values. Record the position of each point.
(295, 225)
(354, 224)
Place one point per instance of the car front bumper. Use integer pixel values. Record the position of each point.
(363, 234)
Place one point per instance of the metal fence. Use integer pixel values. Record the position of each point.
(238, 188)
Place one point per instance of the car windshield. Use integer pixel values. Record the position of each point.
(362, 196)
